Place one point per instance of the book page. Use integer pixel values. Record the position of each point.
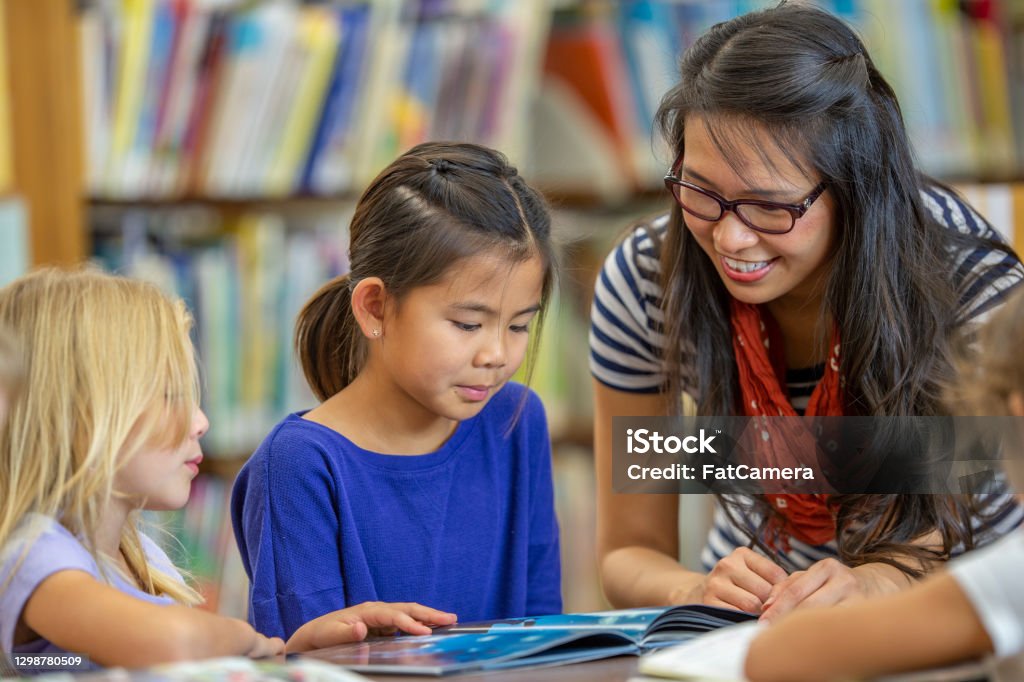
(627, 622)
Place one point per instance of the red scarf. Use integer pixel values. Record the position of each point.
(760, 362)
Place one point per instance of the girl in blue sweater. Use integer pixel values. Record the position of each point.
(425, 474)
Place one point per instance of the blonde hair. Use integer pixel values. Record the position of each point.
(993, 372)
(109, 369)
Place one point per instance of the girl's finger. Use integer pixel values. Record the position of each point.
(730, 596)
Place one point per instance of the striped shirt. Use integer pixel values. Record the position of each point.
(626, 341)
(800, 384)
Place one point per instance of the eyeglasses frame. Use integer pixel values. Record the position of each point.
(797, 210)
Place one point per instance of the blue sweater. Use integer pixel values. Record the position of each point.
(323, 524)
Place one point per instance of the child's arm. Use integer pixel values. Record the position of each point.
(354, 623)
(929, 625)
(78, 613)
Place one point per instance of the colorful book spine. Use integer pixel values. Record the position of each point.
(236, 99)
(317, 37)
(135, 34)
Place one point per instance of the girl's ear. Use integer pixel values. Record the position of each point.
(368, 301)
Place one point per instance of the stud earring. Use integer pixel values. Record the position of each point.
(376, 333)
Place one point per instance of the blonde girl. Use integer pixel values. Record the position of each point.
(108, 424)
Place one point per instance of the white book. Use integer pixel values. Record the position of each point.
(716, 656)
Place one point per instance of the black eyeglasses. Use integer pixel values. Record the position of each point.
(769, 217)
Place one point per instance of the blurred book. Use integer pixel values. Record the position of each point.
(14, 247)
(6, 149)
(585, 72)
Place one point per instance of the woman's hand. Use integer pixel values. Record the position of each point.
(743, 580)
(829, 582)
(355, 622)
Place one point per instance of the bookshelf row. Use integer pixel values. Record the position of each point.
(215, 98)
(957, 68)
(165, 100)
(220, 98)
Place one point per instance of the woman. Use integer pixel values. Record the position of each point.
(800, 221)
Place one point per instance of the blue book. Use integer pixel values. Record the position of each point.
(521, 642)
(14, 246)
(650, 45)
(332, 134)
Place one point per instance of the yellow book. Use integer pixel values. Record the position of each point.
(1017, 192)
(374, 143)
(6, 152)
(962, 139)
(319, 37)
(134, 54)
(997, 142)
(260, 242)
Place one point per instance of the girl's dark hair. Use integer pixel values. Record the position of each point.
(435, 205)
(801, 77)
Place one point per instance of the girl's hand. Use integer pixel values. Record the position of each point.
(829, 582)
(355, 622)
(743, 580)
(264, 647)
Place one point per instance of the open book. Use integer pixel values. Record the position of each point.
(544, 640)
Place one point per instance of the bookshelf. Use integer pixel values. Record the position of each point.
(218, 148)
(45, 131)
(959, 68)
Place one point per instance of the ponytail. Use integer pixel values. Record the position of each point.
(327, 339)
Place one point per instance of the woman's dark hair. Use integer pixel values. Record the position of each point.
(435, 205)
(800, 77)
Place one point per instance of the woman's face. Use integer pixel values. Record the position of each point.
(786, 269)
